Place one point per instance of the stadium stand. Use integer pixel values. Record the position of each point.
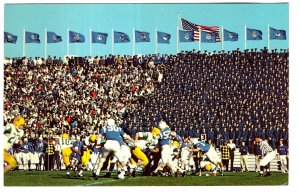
(215, 96)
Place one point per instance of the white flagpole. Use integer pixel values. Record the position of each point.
(112, 41)
(268, 37)
(179, 21)
(200, 40)
(24, 43)
(68, 42)
(222, 38)
(156, 40)
(178, 40)
(45, 43)
(133, 44)
(245, 37)
(90, 42)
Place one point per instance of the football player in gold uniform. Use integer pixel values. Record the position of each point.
(12, 135)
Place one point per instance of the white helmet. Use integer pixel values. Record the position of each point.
(111, 122)
(162, 125)
(195, 141)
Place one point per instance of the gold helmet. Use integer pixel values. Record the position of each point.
(65, 136)
(19, 121)
(93, 138)
(176, 143)
(155, 131)
(208, 167)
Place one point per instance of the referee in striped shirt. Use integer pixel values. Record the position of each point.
(268, 154)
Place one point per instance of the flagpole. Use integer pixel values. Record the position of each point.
(222, 38)
(200, 40)
(112, 41)
(245, 37)
(269, 37)
(91, 42)
(178, 40)
(45, 43)
(179, 23)
(24, 42)
(68, 42)
(133, 44)
(156, 40)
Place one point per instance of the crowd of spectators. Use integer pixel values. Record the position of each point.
(226, 95)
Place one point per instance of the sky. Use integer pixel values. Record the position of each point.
(143, 17)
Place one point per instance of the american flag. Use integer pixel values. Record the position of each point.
(186, 25)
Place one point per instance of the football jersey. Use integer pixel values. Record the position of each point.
(11, 136)
(65, 141)
(204, 147)
(164, 136)
(112, 133)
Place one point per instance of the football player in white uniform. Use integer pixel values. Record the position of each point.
(113, 135)
(12, 135)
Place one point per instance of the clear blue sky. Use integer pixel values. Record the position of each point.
(143, 17)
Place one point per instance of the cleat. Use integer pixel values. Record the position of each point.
(183, 174)
(268, 174)
(95, 176)
(121, 175)
(68, 174)
(107, 175)
(133, 173)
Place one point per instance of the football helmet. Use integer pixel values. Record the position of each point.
(19, 121)
(93, 138)
(155, 131)
(65, 136)
(207, 167)
(111, 122)
(162, 125)
(176, 143)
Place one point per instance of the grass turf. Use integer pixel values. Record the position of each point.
(58, 178)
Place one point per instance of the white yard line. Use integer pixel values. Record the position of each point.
(113, 180)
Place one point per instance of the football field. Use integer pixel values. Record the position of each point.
(58, 178)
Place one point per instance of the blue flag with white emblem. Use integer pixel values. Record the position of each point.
(142, 36)
(254, 34)
(32, 37)
(186, 35)
(53, 37)
(208, 37)
(75, 37)
(230, 36)
(120, 37)
(98, 37)
(277, 34)
(10, 38)
(163, 37)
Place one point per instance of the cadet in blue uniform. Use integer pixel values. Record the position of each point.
(283, 155)
(26, 152)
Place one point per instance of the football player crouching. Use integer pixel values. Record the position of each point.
(143, 140)
(12, 135)
(206, 165)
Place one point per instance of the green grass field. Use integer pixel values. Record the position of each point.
(58, 178)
